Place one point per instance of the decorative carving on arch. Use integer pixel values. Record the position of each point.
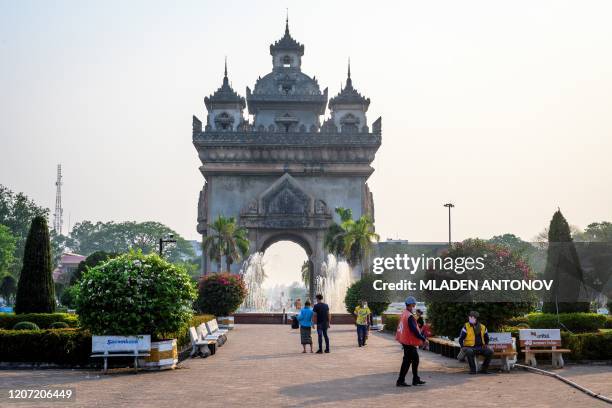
(285, 204)
(287, 197)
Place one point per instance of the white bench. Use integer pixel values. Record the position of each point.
(120, 346)
(213, 328)
(542, 341)
(203, 334)
(199, 347)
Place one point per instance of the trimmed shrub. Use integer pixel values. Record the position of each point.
(66, 347)
(608, 324)
(220, 294)
(574, 322)
(35, 289)
(588, 346)
(391, 322)
(42, 320)
(447, 319)
(135, 294)
(363, 289)
(59, 325)
(26, 326)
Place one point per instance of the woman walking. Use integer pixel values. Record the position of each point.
(410, 336)
(305, 320)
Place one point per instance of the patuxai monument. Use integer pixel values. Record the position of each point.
(282, 173)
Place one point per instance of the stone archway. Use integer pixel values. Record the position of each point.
(285, 211)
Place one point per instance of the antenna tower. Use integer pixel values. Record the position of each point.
(58, 219)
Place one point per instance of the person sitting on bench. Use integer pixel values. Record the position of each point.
(473, 340)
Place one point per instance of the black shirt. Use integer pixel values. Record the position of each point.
(322, 311)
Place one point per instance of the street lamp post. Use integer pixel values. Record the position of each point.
(162, 241)
(449, 206)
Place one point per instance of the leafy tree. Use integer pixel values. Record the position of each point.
(17, 212)
(226, 239)
(563, 267)
(378, 301)
(91, 261)
(69, 296)
(87, 238)
(595, 232)
(7, 248)
(8, 288)
(35, 290)
(351, 239)
(447, 310)
(513, 243)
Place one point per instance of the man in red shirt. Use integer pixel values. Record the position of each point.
(410, 336)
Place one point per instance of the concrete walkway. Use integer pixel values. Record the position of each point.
(262, 366)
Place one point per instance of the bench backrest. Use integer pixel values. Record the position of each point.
(202, 331)
(540, 337)
(212, 326)
(193, 334)
(118, 344)
(500, 341)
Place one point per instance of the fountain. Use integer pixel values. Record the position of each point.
(333, 283)
(253, 273)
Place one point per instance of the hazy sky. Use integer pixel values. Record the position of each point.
(505, 108)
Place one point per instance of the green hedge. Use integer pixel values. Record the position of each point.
(574, 322)
(182, 339)
(60, 346)
(391, 321)
(608, 322)
(588, 346)
(42, 320)
(70, 347)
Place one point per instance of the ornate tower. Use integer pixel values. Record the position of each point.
(282, 175)
(349, 107)
(224, 108)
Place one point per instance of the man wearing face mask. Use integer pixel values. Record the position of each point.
(362, 313)
(473, 340)
(410, 336)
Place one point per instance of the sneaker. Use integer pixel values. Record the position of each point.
(319, 352)
(418, 382)
(327, 351)
(473, 372)
(484, 372)
(402, 384)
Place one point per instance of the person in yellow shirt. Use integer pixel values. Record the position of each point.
(362, 311)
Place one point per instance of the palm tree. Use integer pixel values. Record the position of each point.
(358, 239)
(236, 243)
(351, 239)
(227, 239)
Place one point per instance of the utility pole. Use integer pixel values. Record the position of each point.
(58, 219)
(449, 206)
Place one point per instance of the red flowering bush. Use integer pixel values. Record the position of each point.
(220, 294)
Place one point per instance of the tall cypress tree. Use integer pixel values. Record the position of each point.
(563, 267)
(35, 290)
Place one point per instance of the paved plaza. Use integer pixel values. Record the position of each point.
(262, 365)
